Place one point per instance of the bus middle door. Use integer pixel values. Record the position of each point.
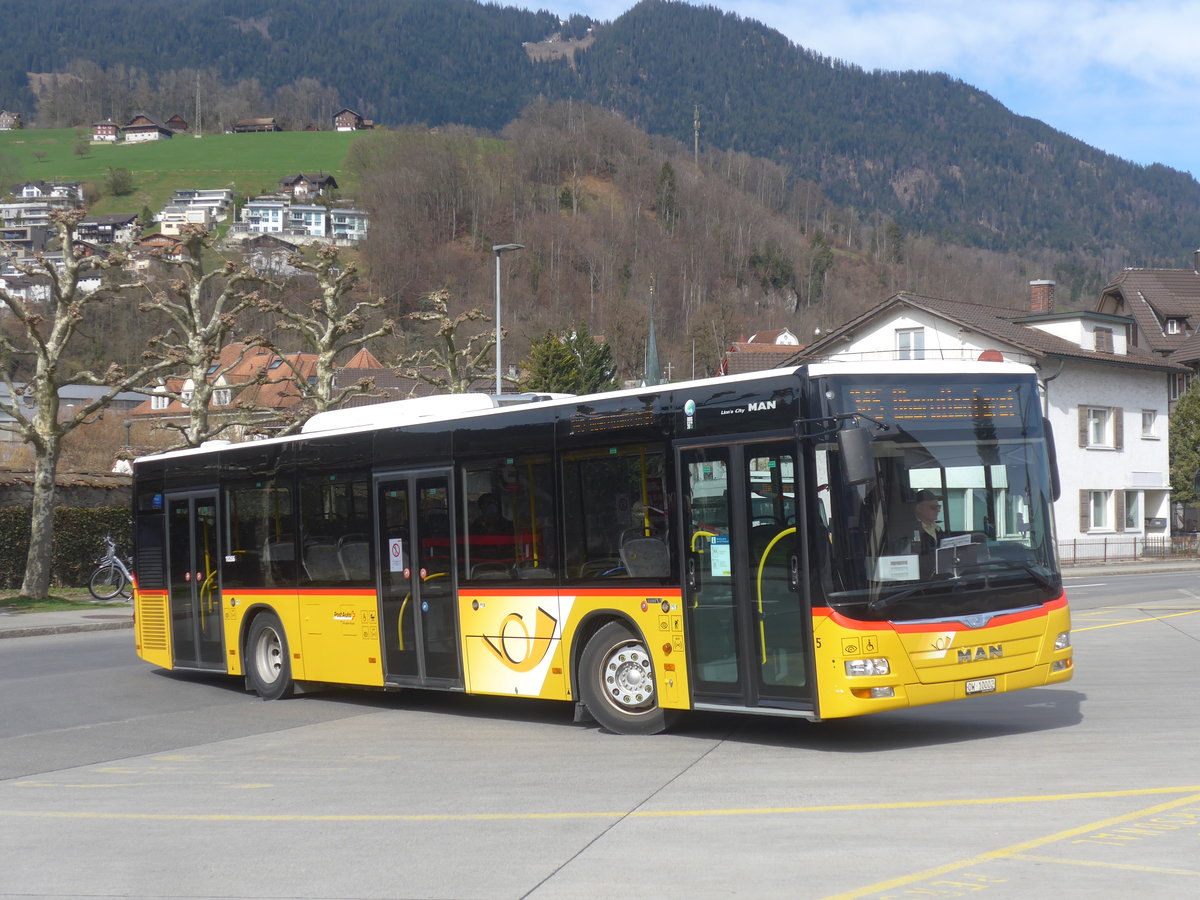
(193, 559)
(748, 623)
(418, 601)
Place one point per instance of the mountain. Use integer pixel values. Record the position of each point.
(934, 154)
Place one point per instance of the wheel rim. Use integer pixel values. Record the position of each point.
(627, 678)
(268, 655)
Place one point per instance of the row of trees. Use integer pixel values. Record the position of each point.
(86, 92)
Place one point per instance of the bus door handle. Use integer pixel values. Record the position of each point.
(794, 572)
(693, 573)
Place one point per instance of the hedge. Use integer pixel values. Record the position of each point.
(78, 542)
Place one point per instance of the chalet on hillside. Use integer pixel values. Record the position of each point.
(107, 132)
(118, 228)
(302, 186)
(247, 126)
(349, 120)
(155, 246)
(268, 254)
(143, 128)
(178, 124)
(9, 121)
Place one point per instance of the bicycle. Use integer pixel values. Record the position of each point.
(111, 577)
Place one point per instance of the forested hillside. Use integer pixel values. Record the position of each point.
(928, 152)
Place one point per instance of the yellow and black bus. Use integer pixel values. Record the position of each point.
(747, 544)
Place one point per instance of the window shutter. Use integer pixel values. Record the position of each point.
(1083, 426)
(1119, 510)
(1085, 511)
(1118, 415)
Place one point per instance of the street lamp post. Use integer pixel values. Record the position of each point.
(498, 249)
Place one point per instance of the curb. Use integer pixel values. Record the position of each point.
(68, 628)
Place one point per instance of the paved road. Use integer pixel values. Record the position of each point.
(118, 780)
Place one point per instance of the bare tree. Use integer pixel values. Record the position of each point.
(447, 366)
(327, 327)
(43, 335)
(202, 305)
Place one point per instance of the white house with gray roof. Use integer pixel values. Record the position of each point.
(1105, 398)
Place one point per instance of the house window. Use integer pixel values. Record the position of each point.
(1150, 424)
(222, 396)
(1104, 340)
(1099, 503)
(160, 401)
(1099, 426)
(1180, 385)
(1133, 510)
(1174, 326)
(910, 343)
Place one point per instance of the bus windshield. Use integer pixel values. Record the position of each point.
(958, 519)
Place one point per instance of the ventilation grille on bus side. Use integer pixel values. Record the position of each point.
(152, 623)
(151, 574)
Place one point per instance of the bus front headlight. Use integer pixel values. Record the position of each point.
(858, 667)
(1063, 641)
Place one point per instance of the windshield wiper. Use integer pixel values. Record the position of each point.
(883, 602)
(1033, 573)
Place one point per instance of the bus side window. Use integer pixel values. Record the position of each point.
(506, 525)
(615, 519)
(333, 517)
(260, 546)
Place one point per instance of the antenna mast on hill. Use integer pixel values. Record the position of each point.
(696, 135)
(198, 128)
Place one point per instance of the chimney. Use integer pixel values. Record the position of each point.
(1041, 296)
(1196, 260)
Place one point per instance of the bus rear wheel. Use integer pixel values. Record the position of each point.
(616, 683)
(268, 665)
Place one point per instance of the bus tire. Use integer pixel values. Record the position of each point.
(616, 683)
(268, 663)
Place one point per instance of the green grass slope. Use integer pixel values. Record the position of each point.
(248, 163)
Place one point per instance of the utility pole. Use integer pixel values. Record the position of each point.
(696, 136)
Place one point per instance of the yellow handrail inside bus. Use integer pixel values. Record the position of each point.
(400, 620)
(696, 537)
(762, 564)
(404, 605)
(532, 510)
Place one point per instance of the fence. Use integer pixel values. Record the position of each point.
(1127, 547)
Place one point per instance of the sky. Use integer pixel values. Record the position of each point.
(1120, 75)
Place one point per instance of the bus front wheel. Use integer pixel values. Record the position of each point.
(616, 683)
(268, 666)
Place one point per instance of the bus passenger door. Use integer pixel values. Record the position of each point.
(193, 559)
(418, 604)
(748, 621)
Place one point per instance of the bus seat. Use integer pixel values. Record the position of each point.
(491, 571)
(646, 558)
(321, 563)
(594, 568)
(539, 573)
(355, 558)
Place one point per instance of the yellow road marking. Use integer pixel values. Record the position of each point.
(1105, 865)
(1190, 612)
(1011, 851)
(635, 814)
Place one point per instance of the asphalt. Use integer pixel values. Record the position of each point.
(108, 617)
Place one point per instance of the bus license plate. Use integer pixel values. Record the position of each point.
(981, 686)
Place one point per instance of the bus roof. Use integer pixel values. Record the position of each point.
(455, 407)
